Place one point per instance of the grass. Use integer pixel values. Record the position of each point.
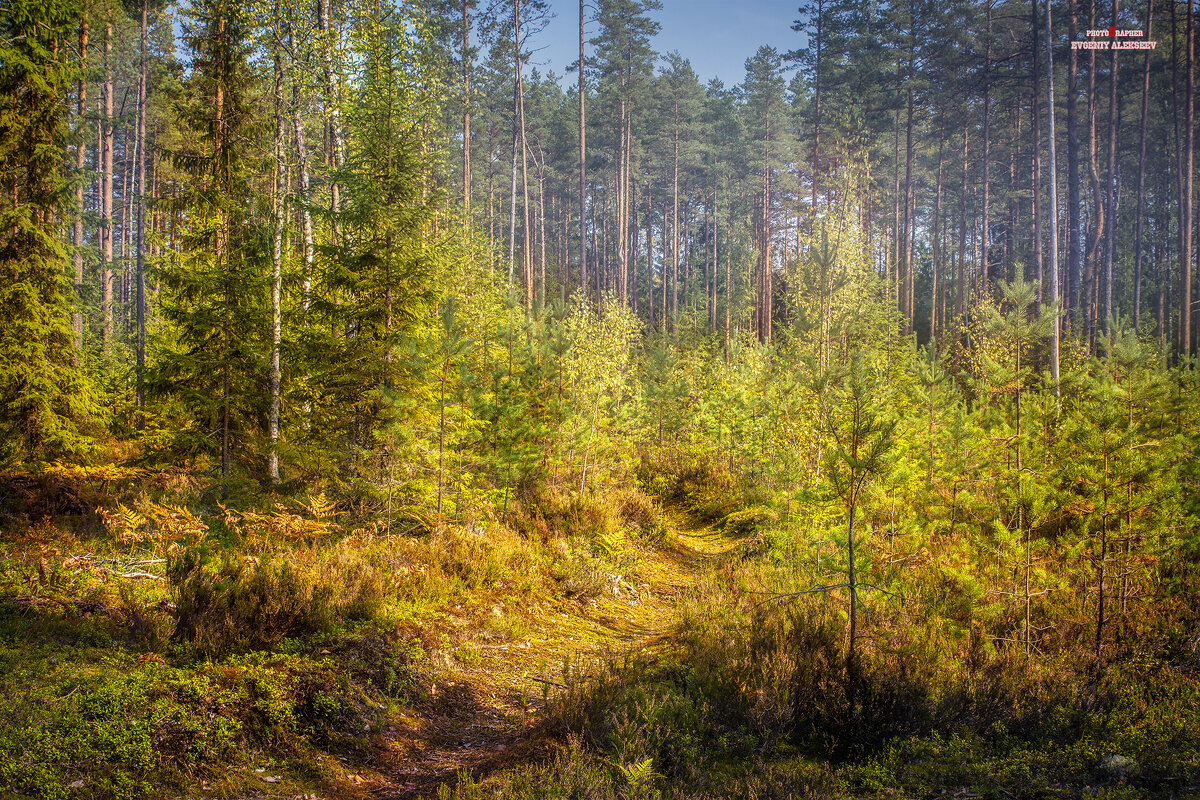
(592, 646)
(161, 647)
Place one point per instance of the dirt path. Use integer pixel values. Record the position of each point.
(485, 712)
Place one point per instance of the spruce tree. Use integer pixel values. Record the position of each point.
(379, 278)
(45, 403)
(213, 353)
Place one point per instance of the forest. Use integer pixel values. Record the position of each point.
(386, 415)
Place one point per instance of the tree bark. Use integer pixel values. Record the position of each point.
(583, 272)
(906, 278)
(542, 230)
(1185, 255)
(466, 122)
(960, 281)
(106, 191)
(816, 154)
(650, 254)
(937, 236)
(140, 278)
(1074, 202)
(1035, 164)
(985, 275)
(276, 265)
(333, 103)
(305, 186)
(1095, 235)
(526, 230)
(1111, 194)
(80, 164)
(1141, 191)
(1052, 217)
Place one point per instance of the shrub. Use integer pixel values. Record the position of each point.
(747, 521)
(227, 603)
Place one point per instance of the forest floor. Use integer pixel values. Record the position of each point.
(486, 710)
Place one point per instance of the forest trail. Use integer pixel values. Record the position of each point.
(485, 713)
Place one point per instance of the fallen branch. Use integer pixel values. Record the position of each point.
(133, 576)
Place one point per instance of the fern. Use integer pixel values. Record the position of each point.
(638, 776)
(320, 507)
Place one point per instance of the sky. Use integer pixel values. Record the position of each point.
(717, 36)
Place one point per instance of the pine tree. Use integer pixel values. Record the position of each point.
(762, 92)
(859, 437)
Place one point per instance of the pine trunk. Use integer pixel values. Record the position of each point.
(276, 269)
(985, 275)
(1111, 194)
(1052, 217)
(583, 271)
(106, 192)
(466, 122)
(1141, 191)
(140, 276)
(1185, 255)
(80, 164)
(1074, 202)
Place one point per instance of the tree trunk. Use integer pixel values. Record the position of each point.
(633, 248)
(893, 263)
(675, 222)
(1178, 139)
(527, 232)
(766, 247)
(466, 122)
(106, 192)
(583, 272)
(519, 121)
(1035, 177)
(1095, 235)
(1074, 202)
(80, 163)
(1185, 254)
(728, 275)
(542, 231)
(1141, 191)
(816, 154)
(305, 185)
(219, 253)
(276, 265)
(1111, 194)
(905, 242)
(985, 275)
(650, 254)
(1052, 218)
(512, 197)
(960, 308)
(623, 215)
(1007, 265)
(937, 235)
(140, 299)
(333, 103)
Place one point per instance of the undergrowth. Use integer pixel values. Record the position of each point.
(753, 700)
(155, 642)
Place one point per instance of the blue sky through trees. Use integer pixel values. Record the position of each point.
(716, 35)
